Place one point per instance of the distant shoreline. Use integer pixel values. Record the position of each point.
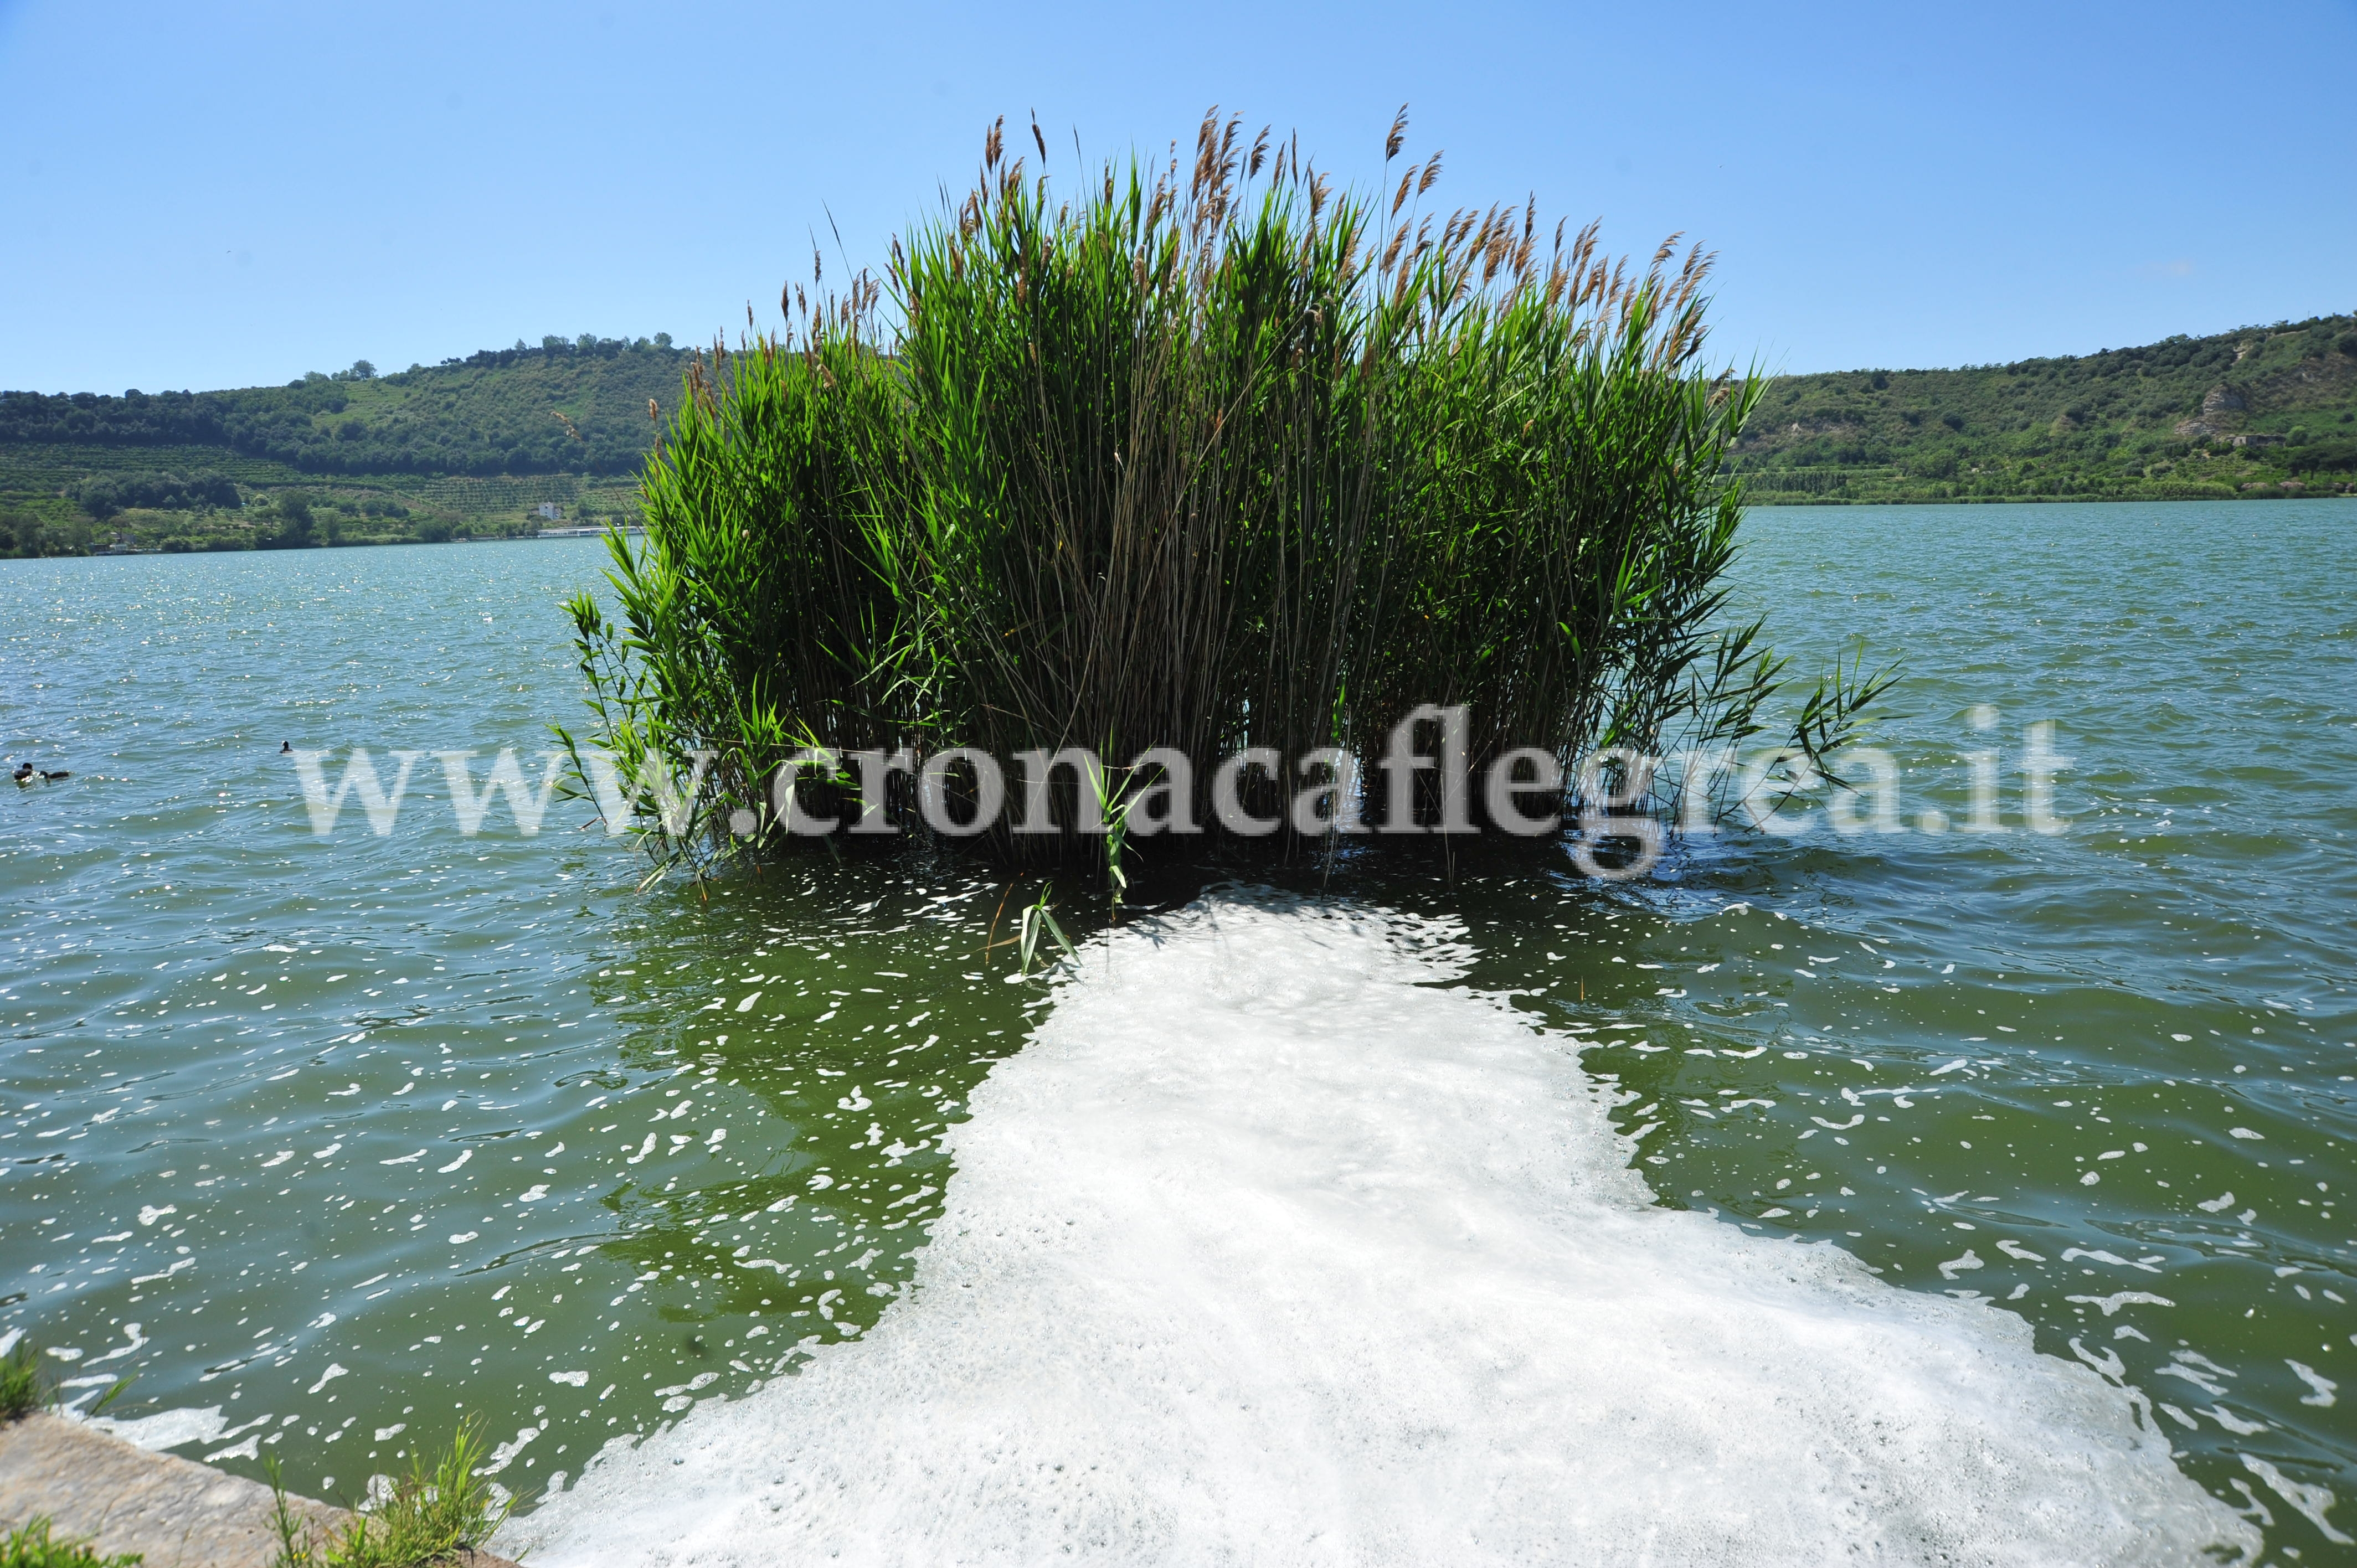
(1755, 504)
(423, 455)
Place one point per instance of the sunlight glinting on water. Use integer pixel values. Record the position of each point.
(329, 1142)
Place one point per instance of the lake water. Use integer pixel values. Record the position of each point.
(1950, 1176)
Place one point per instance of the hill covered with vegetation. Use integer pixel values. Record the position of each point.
(469, 446)
(492, 443)
(575, 405)
(2265, 411)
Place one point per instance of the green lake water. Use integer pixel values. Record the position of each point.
(328, 1141)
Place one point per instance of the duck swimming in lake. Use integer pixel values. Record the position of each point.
(284, 747)
(23, 774)
(27, 775)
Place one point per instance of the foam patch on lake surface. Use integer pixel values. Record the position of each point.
(1267, 1250)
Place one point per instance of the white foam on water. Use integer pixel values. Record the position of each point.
(1263, 1252)
(167, 1428)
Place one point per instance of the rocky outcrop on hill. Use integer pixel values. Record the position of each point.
(2219, 404)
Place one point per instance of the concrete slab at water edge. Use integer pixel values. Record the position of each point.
(174, 1512)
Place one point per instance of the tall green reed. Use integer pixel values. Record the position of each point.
(763, 613)
(1192, 458)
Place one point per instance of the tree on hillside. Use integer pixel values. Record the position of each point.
(294, 523)
(20, 534)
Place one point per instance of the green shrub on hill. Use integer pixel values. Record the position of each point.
(105, 495)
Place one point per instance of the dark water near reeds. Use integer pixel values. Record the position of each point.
(328, 1140)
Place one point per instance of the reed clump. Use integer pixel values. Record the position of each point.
(31, 1545)
(24, 1386)
(1194, 457)
(434, 1515)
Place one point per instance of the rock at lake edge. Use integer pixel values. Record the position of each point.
(175, 1512)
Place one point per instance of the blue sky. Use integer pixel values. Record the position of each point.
(201, 196)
